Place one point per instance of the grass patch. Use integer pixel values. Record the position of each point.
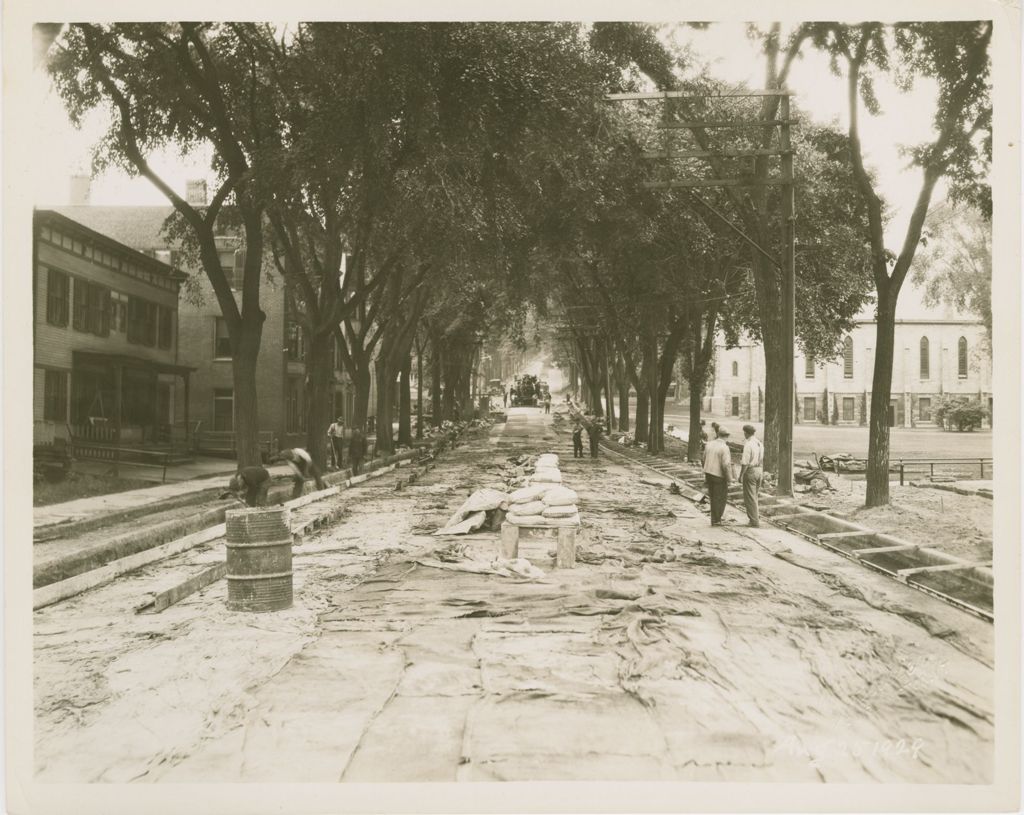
(82, 485)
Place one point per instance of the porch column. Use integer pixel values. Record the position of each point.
(118, 369)
(188, 430)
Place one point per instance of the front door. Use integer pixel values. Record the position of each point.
(892, 414)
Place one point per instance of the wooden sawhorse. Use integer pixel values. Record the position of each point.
(565, 555)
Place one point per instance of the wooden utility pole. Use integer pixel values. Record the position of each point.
(717, 159)
(786, 410)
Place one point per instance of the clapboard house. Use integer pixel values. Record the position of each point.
(203, 343)
(105, 336)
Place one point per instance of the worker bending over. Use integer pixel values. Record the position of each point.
(303, 469)
(254, 482)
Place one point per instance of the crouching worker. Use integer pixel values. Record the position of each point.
(253, 482)
(303, 469)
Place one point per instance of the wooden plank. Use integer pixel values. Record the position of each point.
(642, 95)
(878, 550)
(711, 182)
(359, 479)
(169, 597)
(61, 590)
(854, 534)
(312, 497)
(788, 515)
(945, 567)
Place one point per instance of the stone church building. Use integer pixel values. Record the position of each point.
(939, 352)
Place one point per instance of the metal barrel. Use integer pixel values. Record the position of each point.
(259, 559)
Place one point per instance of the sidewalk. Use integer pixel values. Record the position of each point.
(120, 502)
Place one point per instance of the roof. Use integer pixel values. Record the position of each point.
(137, 227)
(911, 307)
(62, 220)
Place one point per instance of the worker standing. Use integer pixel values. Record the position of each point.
(254, 482)
(593, 435)
(577, 440)
(356, 449)
(547, 402)
(751, 474)
(303, 468)
(718, 473)
(336, 439)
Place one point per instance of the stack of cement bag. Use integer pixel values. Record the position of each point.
(544, 501)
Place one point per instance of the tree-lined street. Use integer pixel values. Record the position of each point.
(510, 241)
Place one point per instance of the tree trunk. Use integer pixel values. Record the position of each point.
(775, 390)
(642, 403)
(623, 388)
(419, 392)
(465, 382)
(654, 424)
(405, 403)
(245, 352)
(436, 407)
(881, 390)
(693, 434)
(319, 394)
(361, 381)
(385, 400)
(594, 400)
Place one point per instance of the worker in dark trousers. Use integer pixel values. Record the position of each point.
(254, 482)
(356, 449)
(593, 435)
(303, 469)
(577, 440)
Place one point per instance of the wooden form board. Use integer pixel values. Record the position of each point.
(55, 592)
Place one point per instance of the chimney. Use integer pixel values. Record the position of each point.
(79, 190)
(195, 192)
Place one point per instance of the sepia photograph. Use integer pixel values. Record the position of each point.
(429, 401)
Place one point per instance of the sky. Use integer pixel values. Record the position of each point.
(906, 119)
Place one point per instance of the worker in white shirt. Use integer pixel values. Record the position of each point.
(302, 467)
(336, 441)
(718, 473)
(751, 473)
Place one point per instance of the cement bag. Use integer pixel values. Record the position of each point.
(559, 512)
(546, 475)
(529, 508)
(569, 520)
(473, 512)
(526, 520)
(526, 494)
(560, 497)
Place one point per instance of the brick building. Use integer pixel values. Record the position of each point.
(203, 345)
(938, 353)
(105, 338)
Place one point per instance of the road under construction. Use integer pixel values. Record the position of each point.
(670, 651)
